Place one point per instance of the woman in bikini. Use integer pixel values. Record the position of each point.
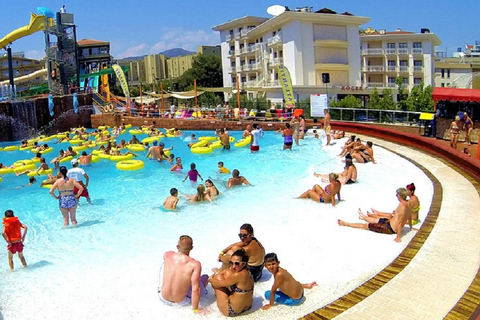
(234, 286)
(348, 176)
(317, 193)
(67, 200)
(364, 153)
(211, 190)
(414, 204)
(454, 132)
(468, 128)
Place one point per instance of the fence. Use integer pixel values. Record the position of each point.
(374, 115)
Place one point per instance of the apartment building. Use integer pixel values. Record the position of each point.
(216, 50)
(176, 66)
(307, 43)
(155, 67)
(136, 72)
(386, 56)
(21, 66)
(458, 72)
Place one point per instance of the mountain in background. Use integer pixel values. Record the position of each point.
(170, 53)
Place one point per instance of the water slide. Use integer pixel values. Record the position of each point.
(37, 23)
(31, 76)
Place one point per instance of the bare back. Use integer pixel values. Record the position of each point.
(289, 285)
(178, 272)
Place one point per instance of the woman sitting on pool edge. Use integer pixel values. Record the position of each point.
(364, 153)
(234, 286)
(348, 176)
(326, 195)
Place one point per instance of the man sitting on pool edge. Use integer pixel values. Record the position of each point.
(181, 280)
(253, 248)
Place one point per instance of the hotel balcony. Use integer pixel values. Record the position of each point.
(237, 35)
(373, 52)
(417, 51)
(243, 33)
(402, 51)
(375, 84)
(230, 52)
(276, 61)
(391, 85)
(272, 83)
(390, 51)
(391, 68)
(251, 83)
(403, 68)
(254, 66)
(418, 69)
(232, 69)
(277, 39)
(374, 69)
(229, 38)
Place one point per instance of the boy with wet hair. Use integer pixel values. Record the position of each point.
(290, 290)
(222, 169)
(171, 201)
(12, 233)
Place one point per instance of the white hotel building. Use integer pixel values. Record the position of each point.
(311, 43)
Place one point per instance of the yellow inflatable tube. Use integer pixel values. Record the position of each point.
(135, 131)
(243, 142)
(76, 141)
(6, 170)
(208, 139)
(122, 157)
(24, 168)
(11, 148)
(199, 144)
(40, 173)
(201, 150)
(136, 147)
(129, 165)
(151, 139)
(66, 159)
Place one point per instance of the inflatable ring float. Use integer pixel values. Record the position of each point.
(47, 186)
(61, 135)
(31, 141)
(243, 142)
(169, 135)
(6, 170)
(24, 168)
(66, 159)
(11, 148)
(76, 141)
(25, 148)
(135, 131)
(122, 157)
(199, 144)
(151, 139)
(40, 173)
(209, 139)
(129, 165)
(232, 139)
(136, 147)
(201, 150)
(35, 160)
(103, 128)
(217, 144)
(20, 163)
(128, 126)
(95, 159)
(99, 143)
(49, 149)
(104, 156)
(91, 145)
(46, 139)
(80, 148)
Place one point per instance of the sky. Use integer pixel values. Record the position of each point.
(151, 26)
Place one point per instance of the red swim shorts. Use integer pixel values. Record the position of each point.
(84, 192)
(254, 148)
(15, 247)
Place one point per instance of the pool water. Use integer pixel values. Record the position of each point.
(108, 266)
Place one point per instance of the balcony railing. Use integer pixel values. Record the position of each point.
(402, 51)
(275, 39)
(232, 69)
(243, 33)
(375, 84)
(391, 68)
(373, 51)
(391, 85)
(391, 51)
(417, 51)
(237, 35)
(251, 83)
(403, 68)
(229, 37)
(254, 66)
(374, 68)
(276, 61)
(417, 69)
(272, 83)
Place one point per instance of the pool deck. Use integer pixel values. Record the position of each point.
(429, 285)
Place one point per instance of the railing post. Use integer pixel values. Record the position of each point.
(341, 114)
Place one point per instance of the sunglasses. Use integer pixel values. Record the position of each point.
(243, 235)
(237, 263)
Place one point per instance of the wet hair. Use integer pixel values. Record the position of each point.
(247, 227)
(348, 156)
(369, 143)
(9, 214)
(32, 179)
(242, 254)
(70, 149)
(348, 162)
(333, 176)
(42, 160)
(314, 131)
(45, 145)
(353, 137)
(172, 156)
(173, 191)
(61, 151)
(220, 163)
(402, 192)
(84, 153)
(200, 193)
(235, 173)
(411, 187)
(63, 170)
(271, 257)
(193, 166)
(255, 126)
(287, 125)
(38, 155)
(178, 158)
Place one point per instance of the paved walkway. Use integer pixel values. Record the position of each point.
(446, 264)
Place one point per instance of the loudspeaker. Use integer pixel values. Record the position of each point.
(326, 77)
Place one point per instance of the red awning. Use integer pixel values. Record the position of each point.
(454, 94)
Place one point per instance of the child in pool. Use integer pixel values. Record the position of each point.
(171, 201)
(171, 157)
(291, 291)
(193, 174)
(12, 233)
(177, 166)
(222, 169)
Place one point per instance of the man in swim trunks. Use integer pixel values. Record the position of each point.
(392, 225)
(12, 233)
(78, 174)
(326, 126)
(290, 290)
(256, 134)
(287, 135)
(225, 138)
(85, 158)
(181, 279)
(236, 180)
(154, 152)
(252, 247)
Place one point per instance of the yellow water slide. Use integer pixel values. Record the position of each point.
(31, 76)
(37, 23)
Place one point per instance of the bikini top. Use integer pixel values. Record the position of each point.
(416, 209)
(234, 288)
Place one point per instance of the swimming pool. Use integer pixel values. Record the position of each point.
(108, 266)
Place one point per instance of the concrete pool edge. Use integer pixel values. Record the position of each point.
(355, 296)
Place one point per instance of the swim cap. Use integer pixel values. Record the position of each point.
(155, 142)
(161, 144)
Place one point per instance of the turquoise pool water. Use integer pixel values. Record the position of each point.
(108, 266)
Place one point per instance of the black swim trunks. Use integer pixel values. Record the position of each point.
(350, 181)
(226, 147)
(256, 271)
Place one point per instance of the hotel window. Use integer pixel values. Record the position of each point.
(402, 45)
(391, 45)
(417, 81)
(280, 54)
(231, 32)
(448, 84)
(417, 45)
(234, 79)
(232, 48)
(443, 73)
(442, 85)
(448, 73)
(417, 63)
(391, 81)
(405, 81)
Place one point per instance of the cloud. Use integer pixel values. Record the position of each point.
(173, 38)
